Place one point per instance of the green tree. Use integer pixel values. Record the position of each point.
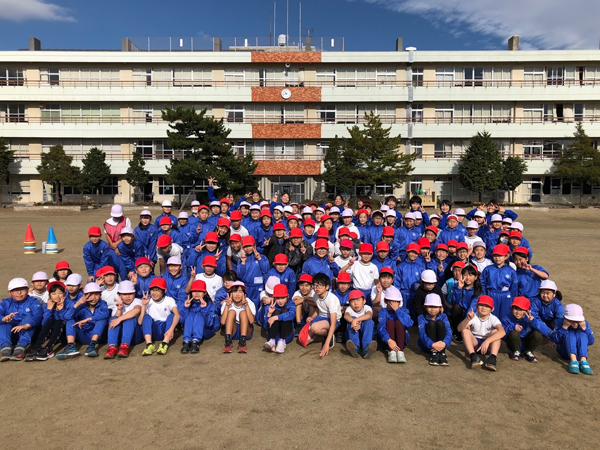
(182, 172)
(137, 175)
(58, 170)
(512, 175)
(579, 162)
(480, 168)
(95, 172)
(208, 153)
(6, 156)
(338, 172)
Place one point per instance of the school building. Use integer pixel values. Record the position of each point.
(284, 101)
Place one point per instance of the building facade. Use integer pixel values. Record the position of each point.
(285, 104)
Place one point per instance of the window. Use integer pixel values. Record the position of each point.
(386, 76)
(444, 113)
(286, 76)
(326, 113)
(238, 147)
(234, 113)
(578, 112)
(444, 76)
(504, 147)
(11, 77)
(112, 188)
(548, 112)
(416, 147)
(322, 148)
(552, 149)
(292, 113)
(85, 76)
(142, 77)
(417, 76)
(146, 148)
(143, 113)
(164, 188)
(19, 186)
(532, 149)
(188, 76)
(51, 113)
(417, 112)
(244, 77)
(533, 113)
(20, 148)
(77, 113)
(346, 113)
(416, 185)
(555, 76)
(385, 111)
(501, 76)
(449, 149)
(326, 77)
(473, 76)
(12, 113)
(533, 76)
(50, 76)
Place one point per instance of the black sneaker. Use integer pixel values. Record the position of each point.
(6, 352)
(297, 329)
(443, 358)
(30, 356)
(195, 347)
(490, 364)
(475, 361)
(434, 359)
(339, 337)
(18, 354)
(185, 348)
(44, 354)
(457, 338)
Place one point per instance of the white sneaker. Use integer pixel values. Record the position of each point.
(269, 345)
(280, 346)
(392, 357)
(400, 357)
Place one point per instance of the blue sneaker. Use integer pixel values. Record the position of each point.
(585, 368)
(91, 351)
(69, 352)
(574, 367)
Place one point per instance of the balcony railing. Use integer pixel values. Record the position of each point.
(278, 156)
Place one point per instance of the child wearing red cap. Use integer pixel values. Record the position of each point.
(524, 332)
(386, 279)
(363, 272)
(62, 271)
(279, 320)
(143, 276)
(158, 318)
(234, 251)
(320, 261)
(456, 269)
(281, 271)
(482, 333)
(110, 287)
(276, 243)
(200, 318)
(572, 336)
(263, 232)
(252, 269)
(342, 291)
(298, 250)
(408, 274)
(499, 281)
(208, 247)
(529, 277)
(360, 326)
(439, 262)
(95, 253)
(303, 298)
(237, 316)
(167, 228)
(165, 249)
(345, 250)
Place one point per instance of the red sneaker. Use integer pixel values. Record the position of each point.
(228, 348)
(242, 349)
(303, 335)
(111, 352)
(123, 351)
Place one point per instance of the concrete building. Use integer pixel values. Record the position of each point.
(285, 103)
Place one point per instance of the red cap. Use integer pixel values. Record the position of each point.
(55, 283)
(309, 222)
(198, 285)
(100, 272)
(107, 270)
(522, 250)
(94, 231)
(365, 248)
(279, 226)
(355, 294)
(522, 303)
(412, 247)
(280, 259)
(293, 217)
(343, 277)
(164, 240)
(459, 264)
(362, 211)
(165, 221)
(441, 246)
(387, 270)
(462, 245)
(305, 278)
(159, 283)
(321, 243)
(235, 215)
(486, 300)
(235, 238)
(62, 265)
(142, 260)
(515, 234)
(247, 241)
(424, 243)
(223, 222)
(209, 260)
(388, 231)
(501, 249)
(323, 233)
(346, 243)
(202, 207)
(452, 243)
(325, 217)
(265, 212)
(432, 228)
(280, 290)
(343, 231)
(353, 235)
(296, 233)
(224, 200)
(382, 246)
(211, 236)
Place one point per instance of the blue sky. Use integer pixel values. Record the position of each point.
(364, 24)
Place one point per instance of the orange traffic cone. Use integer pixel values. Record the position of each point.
(29, 241)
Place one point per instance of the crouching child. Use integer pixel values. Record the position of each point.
(360, 326)
(279, 320)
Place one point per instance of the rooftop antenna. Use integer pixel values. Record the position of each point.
(274, 18)
(287, 24)
(300, 27)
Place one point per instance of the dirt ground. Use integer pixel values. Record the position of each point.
(298, 400)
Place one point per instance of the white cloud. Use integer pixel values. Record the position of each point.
(21, 10)
(547, 24)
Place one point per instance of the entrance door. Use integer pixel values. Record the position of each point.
(296, 190)
(532, 190)
(443, 187)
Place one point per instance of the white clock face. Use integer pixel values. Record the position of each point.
(286, 93)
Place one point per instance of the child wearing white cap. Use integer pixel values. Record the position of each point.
(572, 337)
(114, 225)
(547, 305)
(130, 249)
(73, 286)
(39, 281)
(472, 229)
(435, 333)
(167, 207)
(393, 324)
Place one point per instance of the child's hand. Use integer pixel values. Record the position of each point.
(19, 328)
(82, 322)
(438, 346)
(529, 316)
(272, 320)
(218, 253)
(582, 325)
(203, 302)
(168, 335)
(566, 324)
(193, 273)
(518, 328)
(394, 305)
(470, 314)
(393, 346)
(100, 280)
(484, 347)
(256, 254)
(352, 261)
(188, 302)
(309, 319)
(355, 325)
(325, 350)
(331, 258)
(119, 303)
(210, 181)
(245, 301)
(199, 247)
(90, 279)
(113, 323)
(145, 299)
(271, 309)
(228, 300)
(428, 256)
(243, 257)
(9, 317)
(134, 278)
(379, 287)
(130, 275)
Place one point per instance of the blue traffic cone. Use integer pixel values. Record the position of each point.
(51, 243)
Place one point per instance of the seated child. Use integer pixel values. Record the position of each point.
(237, 317)
(199, 317)
(435, 334)
(392, 328)
(427, 286)
(279, 320)
(213, 281)
(39, 281)
(123, 326)
(386, 280)
(343, 290)
(547, 305)
(572, 337)
(482, 333)
(499, 281)
(360, 325)
(73, 286)
(158, 318)
(228, 277)
(266, 299)
(465, 293)
(303, 298)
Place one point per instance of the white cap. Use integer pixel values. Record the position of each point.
(418, 215)
(479, 214)
(245, 203)
(17, 283)
(393, 294)
(271, 283)
(548, 284)
(278, 208)
(125, 287)
(215, 203)
(183, 215)
(334, 209)
(39, 276)
(472, 224)
(195, 203)
(293, 203)
(145, 212)
(263, 203)
(166, 203)
(428, 276)
(320, 209)
(434, 216)
(574, 312)
(507, 220)
(307, 210)
(479, 243)
(459, 212)
(254, 208)
(126, 230)
(174, 260)
(384, 208)
(238, 283)
(288, 208)
(390, 213)
(496, 218)
(116, 211)
(517, 226)
(95, 287)
(410, 215)
(432, 300)
(74, 280)
(347, 213)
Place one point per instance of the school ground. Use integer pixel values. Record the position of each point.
(298, 400)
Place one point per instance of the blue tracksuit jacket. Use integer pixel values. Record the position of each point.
(388, 313)
(195, 259)
(253, 275)
(465, 298)
(143, 285)
(64, 314)
(95, 256)
(129, 253)
(572, 341)
(315, 265)
(407, 279)
(510, 322)
(288, 277)
(424, 342)
(502, 285)
(176, 287)
(547, 311)
(529, 282)
(148, 236)
(448, 234)
(170, 216)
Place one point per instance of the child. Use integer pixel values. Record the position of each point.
(326, 319)
(88, 320)
(572, 337)
(212, 280)
(393, 324)
(96, 253)
(252, 269)
(123, 325)
(499, 281)
(167, 206)
(199, 317)
(283, 273)
(110, 289)
(319, 262)
(234, 251)
(158, 318)
(210, 247)
(39, 281)
(239, 312)
(177, 280)
(439, 263)
(472, 229)
(143, 276)
(276, 243)
(547, 305)
(298, 250)
(360, 325)
(529, 277)
(61, 271)
(523, 331)
(228, 278)
(165, 249)
(344, 256)
(427, 286)
(465, 294)
(21, 316)
(364, 273)
(130, 249)
(342, 291)
(73, 286)
(482, 332)
(386, 280)
(279, 320)
(478, 259)
(147, 233)
(408, 274)
(303, 298)
(434, 331)
(114, 225)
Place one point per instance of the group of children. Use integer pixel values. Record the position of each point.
(317, 272)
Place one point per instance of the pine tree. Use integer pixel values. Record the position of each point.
(337, 172)
(136, 175)
(579, 162)
(6, 156)
(95, 172)
(480, 168)
(57, 169)
(512, 175)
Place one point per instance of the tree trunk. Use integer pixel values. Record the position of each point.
(480, 196)
(179, 195)
(581, 195)
(56, 187)
(1, 186)
(97, 196)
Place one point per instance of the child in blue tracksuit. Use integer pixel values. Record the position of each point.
(279, 320)
(187, 231)
(529, 277)
(147, 233)
(408, 274)
(158, 318)
(143, 276)
(210, 247)
(96, 252)
(177, 280)
(319, 262)
(499, 281)
(572, 337)
(524, 332)
(123, 327)
(199, 317)
(435, 334)
(465, 293)
(285, 275)
(360, 326)
(252, 269)
(130, 249)
(547, 305)
(393, 323)
(452, 232)
(21, 315)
